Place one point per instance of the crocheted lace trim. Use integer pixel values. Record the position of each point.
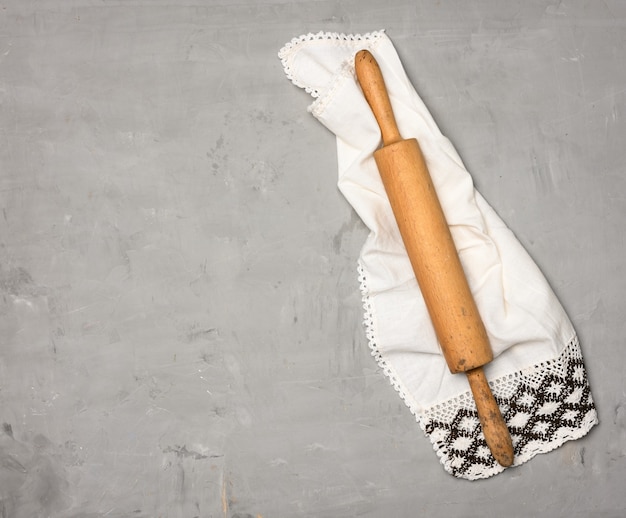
(544, 406)
(322, 96)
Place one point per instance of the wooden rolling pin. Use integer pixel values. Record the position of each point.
(435, 261)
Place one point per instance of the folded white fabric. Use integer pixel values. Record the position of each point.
(537, 376)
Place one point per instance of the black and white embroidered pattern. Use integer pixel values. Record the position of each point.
(549, 406)
(544, 405)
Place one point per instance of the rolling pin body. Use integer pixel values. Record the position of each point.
(434, 258)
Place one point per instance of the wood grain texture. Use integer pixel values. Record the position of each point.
(435, 261)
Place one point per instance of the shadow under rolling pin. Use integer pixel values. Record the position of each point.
(434, 258)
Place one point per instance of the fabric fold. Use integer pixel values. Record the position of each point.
(538, 375)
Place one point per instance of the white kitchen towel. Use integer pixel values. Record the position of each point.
(538, 376)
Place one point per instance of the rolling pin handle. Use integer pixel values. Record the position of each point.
(494, 427)
(373, 85)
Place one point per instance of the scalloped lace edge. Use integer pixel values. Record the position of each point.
(500, 387)
(321, 96)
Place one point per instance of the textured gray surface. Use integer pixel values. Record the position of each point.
(180, 319)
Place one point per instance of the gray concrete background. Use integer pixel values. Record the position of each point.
(180, 319)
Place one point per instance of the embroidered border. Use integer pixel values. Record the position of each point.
(544, 406)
